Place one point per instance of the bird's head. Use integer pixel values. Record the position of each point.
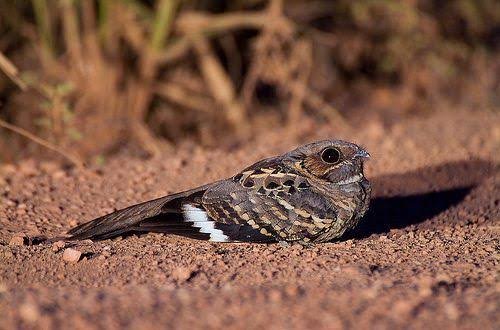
(335, 161)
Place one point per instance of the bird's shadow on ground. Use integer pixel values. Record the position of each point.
(402, 200)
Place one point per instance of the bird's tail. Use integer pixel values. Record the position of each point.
(159, 215)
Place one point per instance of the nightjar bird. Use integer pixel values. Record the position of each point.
(312, 194)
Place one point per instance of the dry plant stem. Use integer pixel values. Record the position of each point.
(220, 84)
(315, 101)
(72, 158)
(209, 25)
(11, 71)
(89, 26)
(142, 10)
(141, 97)
(133, 33)
(183, 97)
(71, 34)
(235, 65)
(217, 23)
(250, 84)
(175, 50)
(43, 22)
(142, 93)
(143, 90)
(268, 52)
(190, 81)
(302, 53)
(265, 41)
(56, 116)
(104, 10)
(276, 7)
(163, 23)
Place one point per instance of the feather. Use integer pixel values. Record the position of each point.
(164, 209)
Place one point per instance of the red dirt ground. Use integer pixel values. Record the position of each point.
(426, 255)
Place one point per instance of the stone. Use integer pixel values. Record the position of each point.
(19, 239)
(71, 255)
(58, 246)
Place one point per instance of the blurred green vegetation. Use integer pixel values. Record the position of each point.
(101, 73)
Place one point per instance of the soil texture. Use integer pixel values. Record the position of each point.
(425, 256)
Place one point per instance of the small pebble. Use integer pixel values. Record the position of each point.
(58, 246)
(58, 174)
(181, 274)
(71, 255)
(19, 239)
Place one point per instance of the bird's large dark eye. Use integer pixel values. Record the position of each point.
(330, 155)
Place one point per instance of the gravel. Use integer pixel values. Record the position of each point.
(426, 255)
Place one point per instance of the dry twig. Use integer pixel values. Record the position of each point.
(220, 84)
(302, 54)
(180, 95)
(288, 70)
(21, 131)
(11, 71)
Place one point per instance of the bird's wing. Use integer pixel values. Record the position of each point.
(140, 217)
(272, 201)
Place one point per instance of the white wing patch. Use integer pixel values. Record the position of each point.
(200, 220)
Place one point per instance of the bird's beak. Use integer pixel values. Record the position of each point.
(362, 153)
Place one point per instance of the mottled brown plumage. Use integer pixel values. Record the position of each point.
(312, 194)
